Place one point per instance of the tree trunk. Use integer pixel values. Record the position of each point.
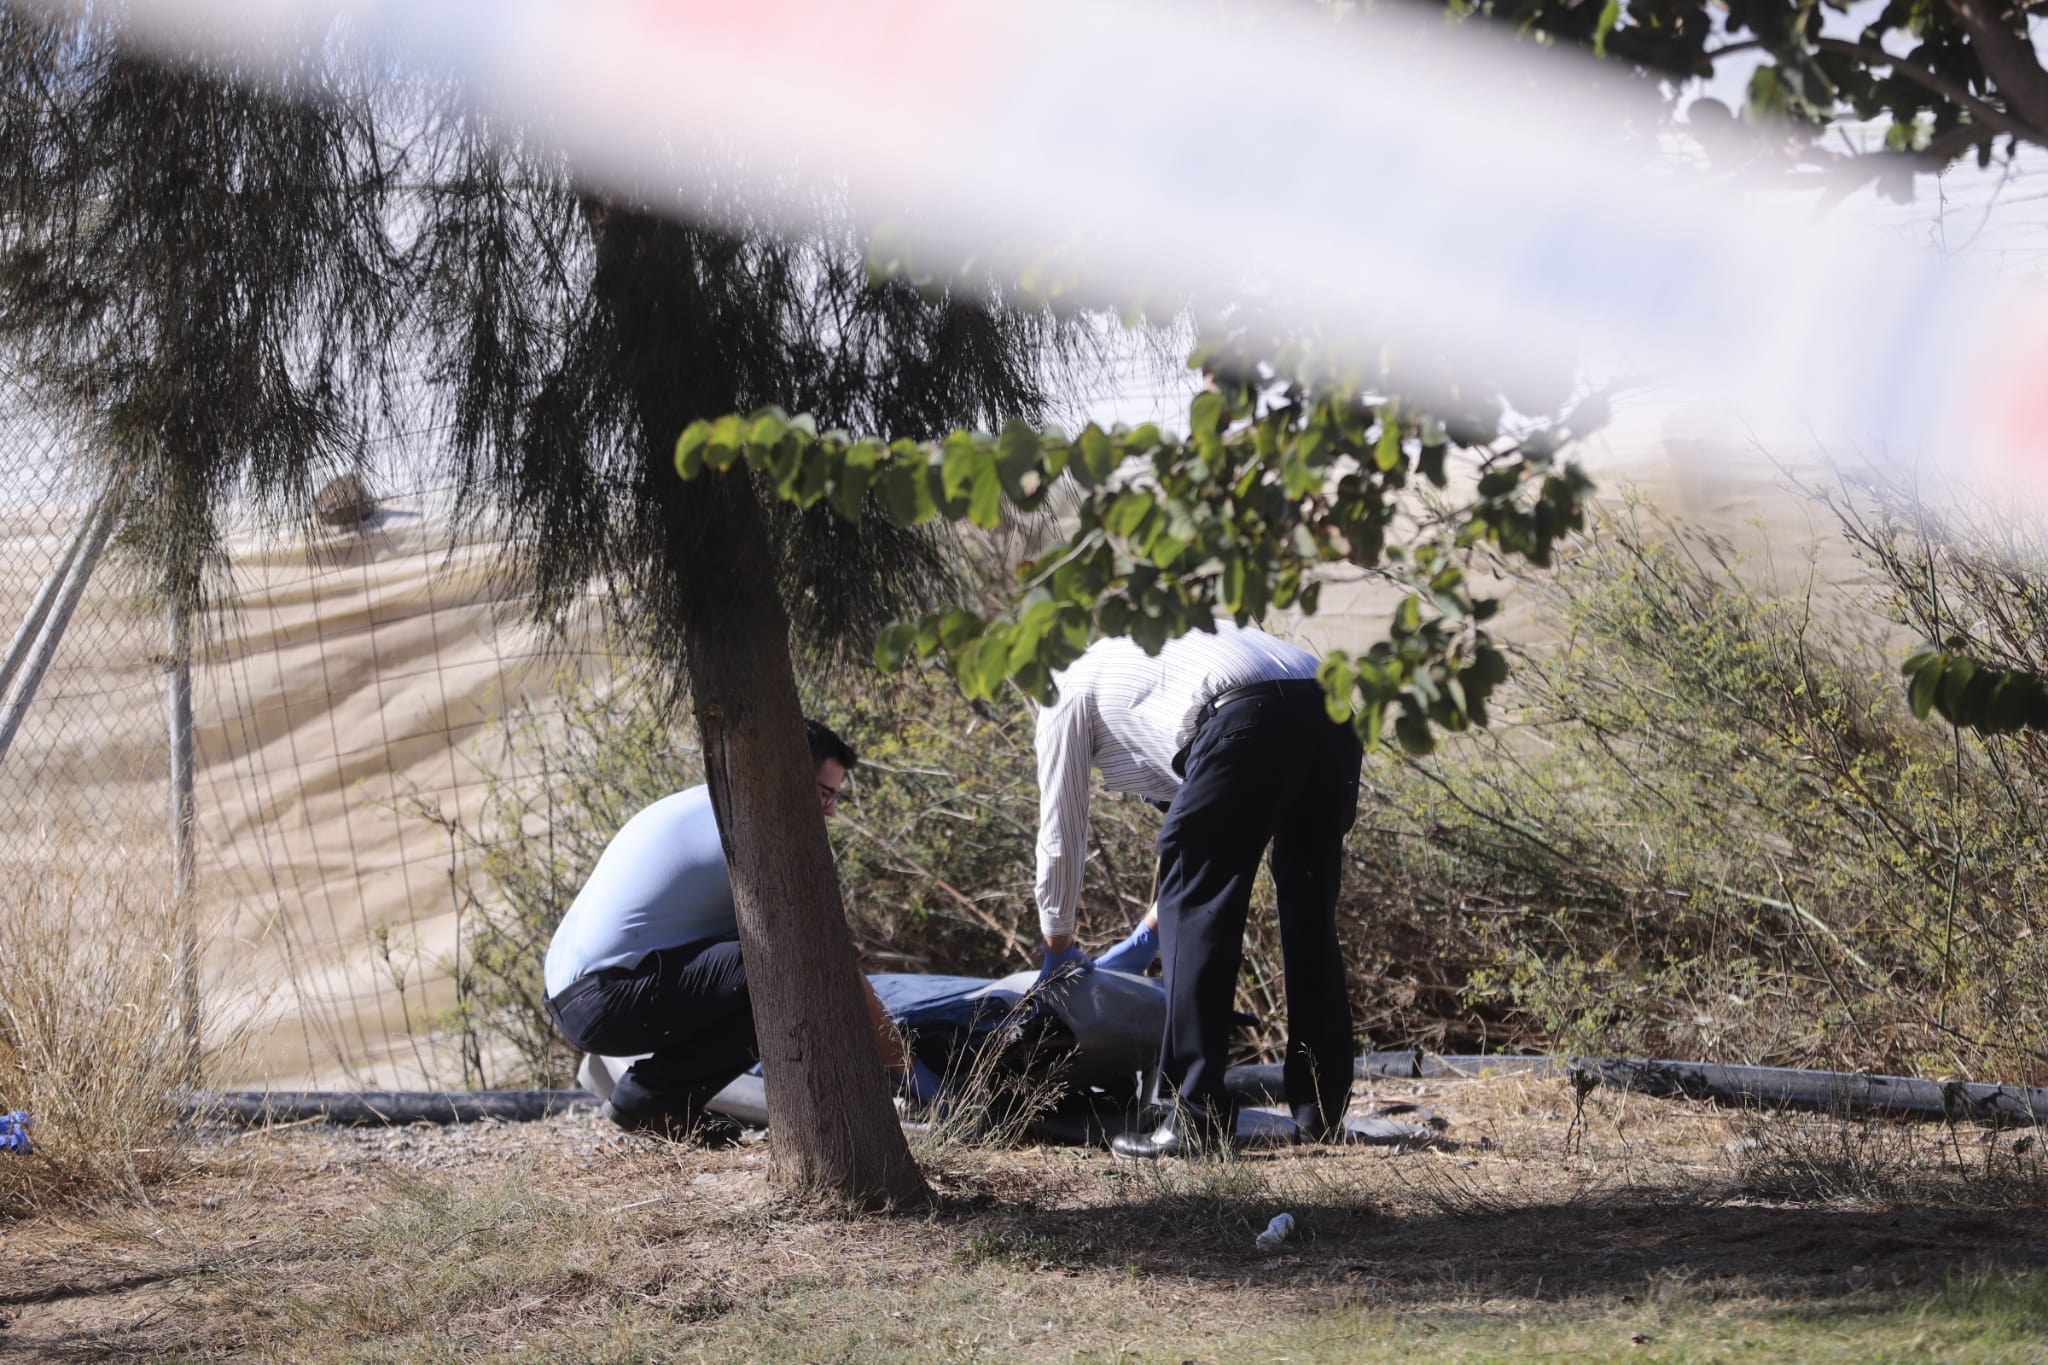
(681, 347)
(835, 1131)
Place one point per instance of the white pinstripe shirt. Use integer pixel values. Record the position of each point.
(1128, 713)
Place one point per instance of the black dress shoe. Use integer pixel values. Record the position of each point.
(699, 1126)
(1311, 1126)
(1173, 1138)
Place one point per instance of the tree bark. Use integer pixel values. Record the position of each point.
(835, 1131)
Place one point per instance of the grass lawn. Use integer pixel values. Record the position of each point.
(1641, 1230)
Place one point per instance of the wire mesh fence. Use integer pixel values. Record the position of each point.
(360, 677)
(355, 675)
(84, 763)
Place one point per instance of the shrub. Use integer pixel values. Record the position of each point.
(92, 1043)
(937, 847)
(1714, 829)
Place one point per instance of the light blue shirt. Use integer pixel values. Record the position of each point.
(660, 883)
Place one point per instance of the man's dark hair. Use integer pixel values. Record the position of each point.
(825, 744)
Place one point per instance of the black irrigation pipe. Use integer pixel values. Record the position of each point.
(1833, 1092)
(1845, 1093)
(374, 1108)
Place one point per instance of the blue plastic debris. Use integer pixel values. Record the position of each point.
(14, 1132)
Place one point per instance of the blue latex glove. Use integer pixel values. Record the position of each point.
(14, 1133)
(1068, 961)
(1134, 954)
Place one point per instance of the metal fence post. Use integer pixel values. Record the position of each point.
(39, 610)
(76, 575)
(183, 812)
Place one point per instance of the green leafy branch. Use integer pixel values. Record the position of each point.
(1167, 534)
(1974, 696)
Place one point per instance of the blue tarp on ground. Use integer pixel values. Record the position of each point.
(1101, 1027)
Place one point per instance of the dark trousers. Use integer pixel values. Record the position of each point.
(1271, 769)
(687, 1006)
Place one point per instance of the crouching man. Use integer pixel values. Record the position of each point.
(647, 960)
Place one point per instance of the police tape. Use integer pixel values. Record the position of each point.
(1461, 204)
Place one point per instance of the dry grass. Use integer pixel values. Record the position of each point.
(1877, 1162)
(565, 1240)
(92, 1042)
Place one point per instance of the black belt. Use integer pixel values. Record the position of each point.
(1282, 689)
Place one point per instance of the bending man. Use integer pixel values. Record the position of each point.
(647, 960)
(1231, 730)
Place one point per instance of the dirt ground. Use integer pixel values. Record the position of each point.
(1638, 1228)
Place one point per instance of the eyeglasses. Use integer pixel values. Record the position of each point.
(828, 797)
